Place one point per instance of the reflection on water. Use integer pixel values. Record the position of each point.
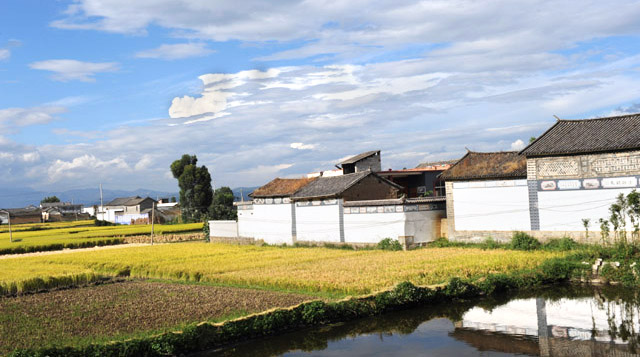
(558, 321)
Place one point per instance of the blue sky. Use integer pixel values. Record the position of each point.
(114, 91)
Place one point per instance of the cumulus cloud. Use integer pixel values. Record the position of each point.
(301, 146)
(176, 51)
(65, 70)
(82, 165)
(517, 145)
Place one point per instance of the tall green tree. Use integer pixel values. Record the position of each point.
(195, 187)
(222, 207)
(50, 199)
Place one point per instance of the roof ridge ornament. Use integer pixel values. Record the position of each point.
(557, 118)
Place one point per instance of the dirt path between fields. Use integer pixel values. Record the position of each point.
(67, 250)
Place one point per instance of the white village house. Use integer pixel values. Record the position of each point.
(573, 171)
(357, 207)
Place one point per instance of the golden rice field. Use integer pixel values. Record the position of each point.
(310, 270)
(58, 235)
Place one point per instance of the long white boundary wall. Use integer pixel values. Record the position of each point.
(223, 229)
(491, 205)
(328, 221)
(271, 222)
(371, 224)
(319, 221)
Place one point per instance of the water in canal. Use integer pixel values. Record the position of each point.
(557, 321)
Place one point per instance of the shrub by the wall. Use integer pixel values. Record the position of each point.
(523, 241)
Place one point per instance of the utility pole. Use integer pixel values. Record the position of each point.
(153, 218)
(10, 232)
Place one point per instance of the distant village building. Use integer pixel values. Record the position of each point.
(125, 210)
(422, 181)
(30, 214)
(357, 206)
(367, 161)
(62, 211)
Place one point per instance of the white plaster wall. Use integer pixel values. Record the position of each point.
(126, 218)
(318, 223)
(224, 229)
(491, 205)
(564, 210)
(269, 222)
(424, 226)
(373, 227)
(110, 215)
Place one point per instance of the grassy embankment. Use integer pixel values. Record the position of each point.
(80, 234)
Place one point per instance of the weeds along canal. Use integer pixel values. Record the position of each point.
(573, 320)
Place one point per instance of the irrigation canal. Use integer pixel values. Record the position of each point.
(554, 321)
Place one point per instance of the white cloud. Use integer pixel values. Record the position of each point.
(301, 146)
(4, 53)
(341, 30)
(419, 80)
(13, 118)
(176, 51)
(517, 145)
(83, 165)
(144, 163)
(31, 156)
(72, 70)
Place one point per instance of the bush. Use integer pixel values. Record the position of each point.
(562, 244)
(523, 241)
(101, 223)
(441, 242)
(389, 244)
(491, 243)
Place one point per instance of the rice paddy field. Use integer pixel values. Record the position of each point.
(332, 272)
(60, 235)
(58, 297)
(123, 310)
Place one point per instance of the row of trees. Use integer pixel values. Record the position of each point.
(197, 198)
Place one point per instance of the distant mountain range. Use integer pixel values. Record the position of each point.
(22, 197)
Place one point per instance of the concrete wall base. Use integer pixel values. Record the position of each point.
(542, 236)
(238, 240)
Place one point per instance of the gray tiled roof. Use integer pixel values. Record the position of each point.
(568, 137)
(333, 186)
(359, 157)
(126, 201)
